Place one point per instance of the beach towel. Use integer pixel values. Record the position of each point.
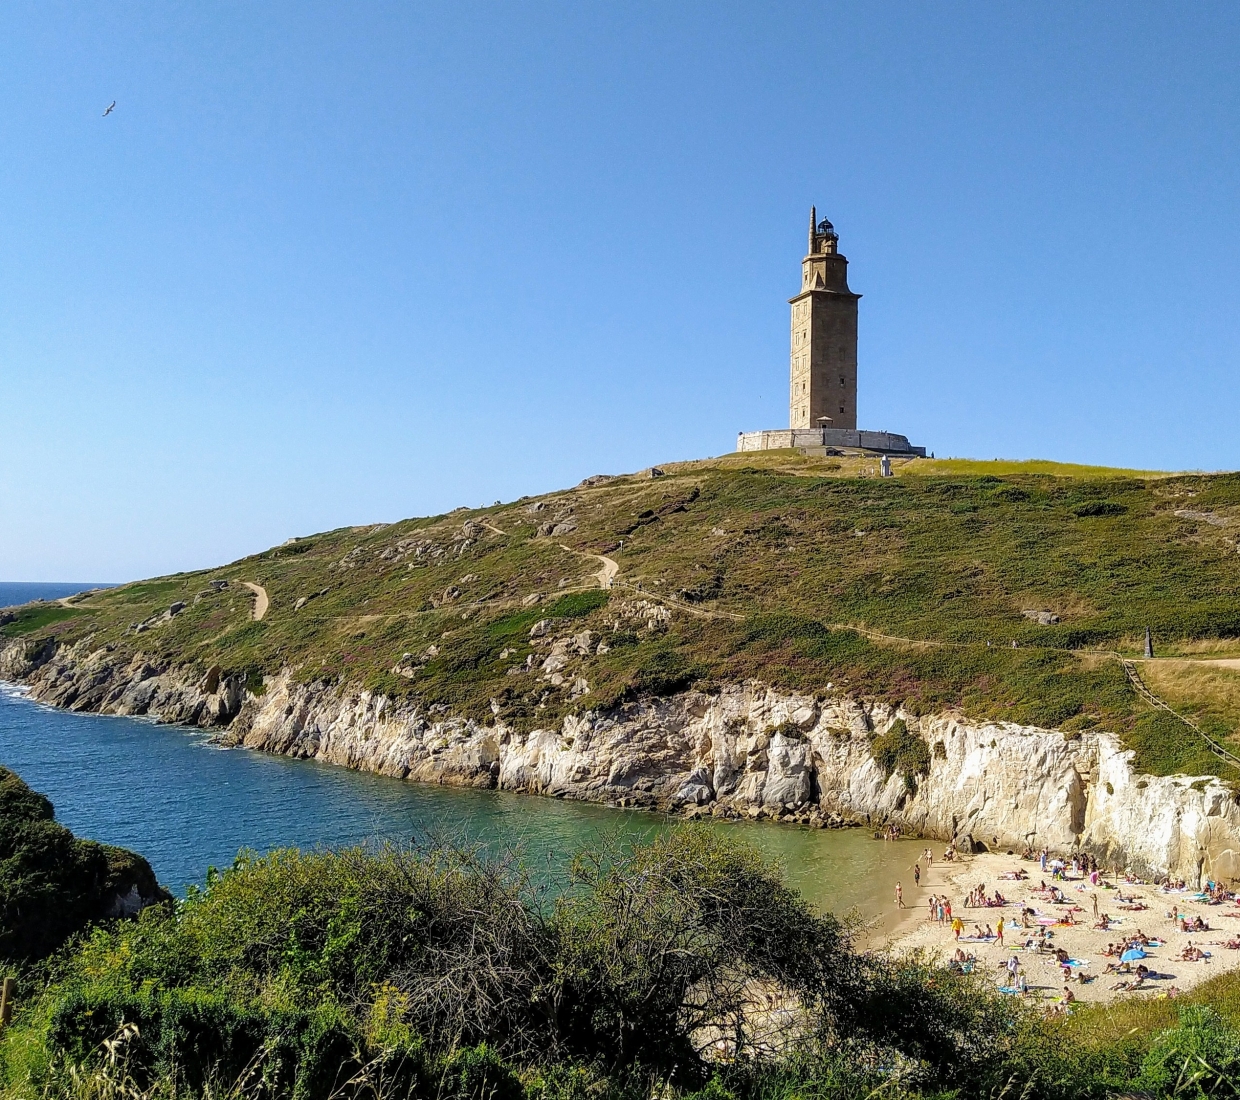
(1078, 962)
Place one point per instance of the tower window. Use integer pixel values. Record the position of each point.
(841, 408)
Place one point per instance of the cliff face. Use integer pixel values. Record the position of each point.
(748, 750)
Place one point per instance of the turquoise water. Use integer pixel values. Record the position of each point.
(185, 804)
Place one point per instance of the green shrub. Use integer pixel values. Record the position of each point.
(900, 750)
(1200, 1056)
(1099, 508)
(384, 973)
(448, 968)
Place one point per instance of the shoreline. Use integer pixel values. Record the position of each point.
(745, 749)
(1083, 941)
(892, 931)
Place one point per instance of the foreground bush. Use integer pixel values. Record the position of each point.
(324, 974)
(683, 968)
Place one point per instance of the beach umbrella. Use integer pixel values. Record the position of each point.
(1132, 955)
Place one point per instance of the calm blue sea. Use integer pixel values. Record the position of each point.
(16, 592)
(185, 804)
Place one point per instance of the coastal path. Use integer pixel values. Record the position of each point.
(261, 602)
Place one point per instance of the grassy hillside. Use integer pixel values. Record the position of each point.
(801, 571)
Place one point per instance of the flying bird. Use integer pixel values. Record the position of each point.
(111, 108)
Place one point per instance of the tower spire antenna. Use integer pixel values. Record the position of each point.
(813, 222)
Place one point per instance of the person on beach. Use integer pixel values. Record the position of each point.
(1095, 907)
(899, 896)
(999, 931)
(916, 874)
(957, 927)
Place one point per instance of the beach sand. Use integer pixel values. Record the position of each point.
(1082, 941)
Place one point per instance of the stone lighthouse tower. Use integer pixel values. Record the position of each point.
(824, 336)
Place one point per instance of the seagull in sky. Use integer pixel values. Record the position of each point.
(111, 108)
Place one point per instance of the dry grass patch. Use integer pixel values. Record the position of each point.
(1206, 691)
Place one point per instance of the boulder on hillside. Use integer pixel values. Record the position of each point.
(1042, 618)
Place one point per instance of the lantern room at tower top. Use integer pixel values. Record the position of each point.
(822, 401)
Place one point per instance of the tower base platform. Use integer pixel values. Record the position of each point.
(779, 439)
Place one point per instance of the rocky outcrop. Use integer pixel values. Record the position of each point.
(109, 681)
(130, 885)
(746, 750)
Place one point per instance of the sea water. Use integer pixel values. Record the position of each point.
(187, 803)
(13, 593)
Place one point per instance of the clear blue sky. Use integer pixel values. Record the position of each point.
(333, 264)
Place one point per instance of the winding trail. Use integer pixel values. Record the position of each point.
(261, 602)
(607, 575)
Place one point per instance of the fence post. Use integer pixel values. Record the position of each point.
(7, 992)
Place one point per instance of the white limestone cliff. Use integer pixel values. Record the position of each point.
(748, 749)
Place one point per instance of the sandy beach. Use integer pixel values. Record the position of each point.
(1082, 940)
